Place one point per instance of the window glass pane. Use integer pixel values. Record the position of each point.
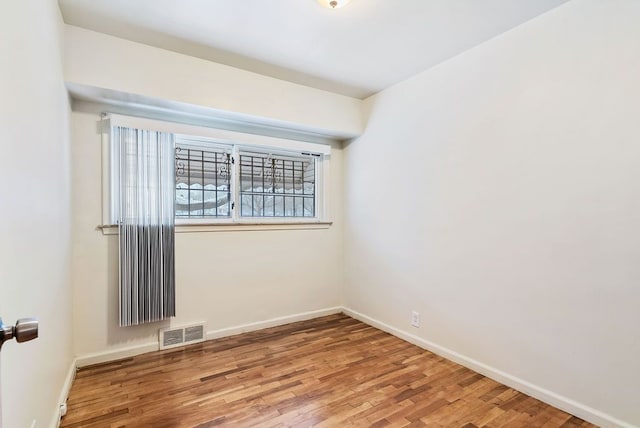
(203, 181)
(297, 210)
(289, 207)
(256, 205)
(279, 206)
(265, 175)
(245, 205)
(195, 200)
(210, 203)
(269, 207)
(269, 185)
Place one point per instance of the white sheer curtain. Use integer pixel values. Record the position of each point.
(144, 165)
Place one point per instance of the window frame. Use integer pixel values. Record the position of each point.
(236, 148)
(203, 142)
(239, 141)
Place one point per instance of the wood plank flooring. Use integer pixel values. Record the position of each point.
(328, 372)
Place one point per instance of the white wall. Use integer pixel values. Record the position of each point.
(498, 194)
(226, 279)
(95, 60)
(35, 227)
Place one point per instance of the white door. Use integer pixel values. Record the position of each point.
(25, 329)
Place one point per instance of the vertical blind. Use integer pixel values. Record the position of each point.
(144, 164)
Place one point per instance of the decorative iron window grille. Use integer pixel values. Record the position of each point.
(203, 182)
(277, 185)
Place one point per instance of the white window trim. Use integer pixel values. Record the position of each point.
(233, 227)
(239, 140)
(320, 197)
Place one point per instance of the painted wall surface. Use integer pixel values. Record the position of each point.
(101, 61)
(225, 279)
(498, 194)
(35, 193)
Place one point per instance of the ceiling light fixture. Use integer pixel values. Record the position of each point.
(333, 4)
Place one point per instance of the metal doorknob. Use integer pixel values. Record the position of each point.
(25, 329)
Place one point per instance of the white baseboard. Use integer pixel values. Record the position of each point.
(64, 393)
(231, 331)
(578, 409)
(116, 354)
(570, 406)
(120, 353)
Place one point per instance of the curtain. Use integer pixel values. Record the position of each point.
(144, 166)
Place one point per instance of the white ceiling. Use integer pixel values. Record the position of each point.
(357, 50)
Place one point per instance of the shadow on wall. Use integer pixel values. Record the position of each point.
(117, 335)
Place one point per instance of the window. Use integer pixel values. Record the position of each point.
(203, 182)
(277, 186)
(228, 177)
(217, 182)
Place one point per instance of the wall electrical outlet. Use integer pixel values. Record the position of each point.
(415, 318)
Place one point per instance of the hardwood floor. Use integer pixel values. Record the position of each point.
(328, 372)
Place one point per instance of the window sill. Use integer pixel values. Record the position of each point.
(112, 229)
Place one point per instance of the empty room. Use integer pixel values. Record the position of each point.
(317, 213)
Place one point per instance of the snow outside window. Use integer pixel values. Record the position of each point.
(223, 183)
(203, 182)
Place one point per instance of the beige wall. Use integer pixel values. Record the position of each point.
(498, 194)
(227, 279)
(95, 60)
(36, 211)
(506, 182)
